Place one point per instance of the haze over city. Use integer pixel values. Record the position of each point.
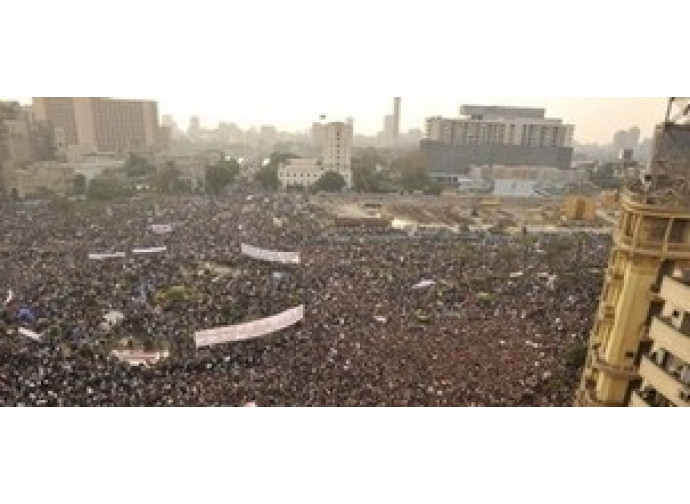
(596, 119)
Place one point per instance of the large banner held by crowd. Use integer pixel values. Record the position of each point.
(250, 330)
(29, 334)
(153, 250)
(103, 257)
(270, 255)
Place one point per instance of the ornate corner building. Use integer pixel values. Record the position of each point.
(639, 351)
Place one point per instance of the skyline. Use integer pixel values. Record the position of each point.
(596, 120)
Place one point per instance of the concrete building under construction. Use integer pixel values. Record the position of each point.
(639, 351)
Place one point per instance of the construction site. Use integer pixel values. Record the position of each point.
(459, 213)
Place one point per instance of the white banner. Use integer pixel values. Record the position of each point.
(29, 334)
(161, 229)
(270, 255)
(424, 284)
(250, 330)
(102, 257)
(154, 250)
(135, 358)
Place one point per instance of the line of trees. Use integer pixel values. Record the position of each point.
(371, 172)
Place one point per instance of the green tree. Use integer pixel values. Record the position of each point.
(137, 166)
(106, 189)
(412, 169)
(167, 179)
(330, 182)
(80, 184)
(221, 175)
(413, 172)
(576, 357)
(267, 178)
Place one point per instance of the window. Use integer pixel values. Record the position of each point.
(679, 231)
(653, 229)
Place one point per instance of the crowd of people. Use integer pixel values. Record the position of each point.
(492, 324)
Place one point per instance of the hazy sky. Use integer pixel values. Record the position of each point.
(596, 119)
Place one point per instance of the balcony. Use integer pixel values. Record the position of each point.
(663, 382)
(670, 339)
(651, 248)
(676, 293)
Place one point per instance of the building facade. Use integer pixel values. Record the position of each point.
(94, 125)
(300, 172)
(337, 150)
(497, 135)
(24, 140)
(44, 178)
(639, 353)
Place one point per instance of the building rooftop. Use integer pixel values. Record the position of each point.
(493, 112)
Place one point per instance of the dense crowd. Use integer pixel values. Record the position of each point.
(494, 329)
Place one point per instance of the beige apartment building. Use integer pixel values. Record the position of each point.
(639, 352)
(93, 125)
(337, 149)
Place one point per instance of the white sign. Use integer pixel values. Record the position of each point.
(424, 284)
(137, 359)
(154, 250)
(270, 255)
(102, 257)
(250, 330)
(161, 229)
(29, 334)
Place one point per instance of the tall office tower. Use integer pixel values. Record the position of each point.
(639, 351)
(397, 104)
(102, 124)
(337, 149)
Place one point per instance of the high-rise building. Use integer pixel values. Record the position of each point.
(506, 136)
(103, 124)
(194, 129)
(397, 104)
(639, 353)
(337, 149)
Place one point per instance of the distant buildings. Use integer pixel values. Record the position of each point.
(336, 140)
(397, 105)
(24, 141)
(97, 125)
(390, 137)
(194, 130)
(506, 136)
(47, 176)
